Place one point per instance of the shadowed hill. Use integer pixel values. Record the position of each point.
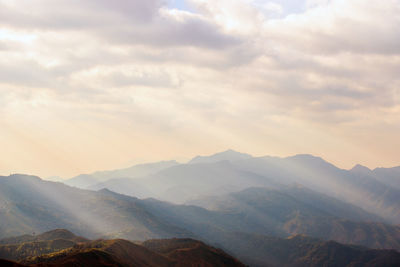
(303, 251)
(119, 252)
(95, 253)
(18, 248)
(255, 250)
(47, 236)
(6, 263)
(187, 251)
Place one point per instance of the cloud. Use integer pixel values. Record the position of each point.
(122, 21)
(273, 7)
(342, 26)
(226, 72)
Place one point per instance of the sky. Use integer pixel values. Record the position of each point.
(97, 84)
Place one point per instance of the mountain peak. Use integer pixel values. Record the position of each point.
(306, 157)
(20, 176)
(228, 155)
(57, 234)
(360, 169)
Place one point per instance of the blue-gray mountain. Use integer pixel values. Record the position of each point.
(29, 204)
(376, 191)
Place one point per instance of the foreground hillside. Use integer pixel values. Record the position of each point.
(300, 251)
(21, 247)
(117, 252)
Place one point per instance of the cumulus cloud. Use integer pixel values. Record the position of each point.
(259, 76)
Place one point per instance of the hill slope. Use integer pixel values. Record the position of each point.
(256, 250)
(302, 251)
(30, 204)
(18, 248)
(280, 213)
(119, 252)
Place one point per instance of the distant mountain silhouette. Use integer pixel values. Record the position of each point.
(229, 155)
(87, 180)
(388, 176)
(375, 191)
(189, 181)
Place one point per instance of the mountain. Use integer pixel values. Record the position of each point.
(21, 247)
(29, 204)
(303, 251)
(86, 180)
(6, 263)
(185, 182)
(286, 200)
(189, 251)
(388, 176)
(229, 155)
(257, 250)
(126, 186)
(117, 252)
(280, 213)
(231, 171)
(47, 236)
(315, 173)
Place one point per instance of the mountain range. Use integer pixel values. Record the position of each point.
(376, 191)
(229, 200)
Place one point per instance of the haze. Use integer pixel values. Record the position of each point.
(93, 85)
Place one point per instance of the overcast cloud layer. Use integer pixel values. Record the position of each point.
(98, 84)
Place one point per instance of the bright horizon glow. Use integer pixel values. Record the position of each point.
(98, 85)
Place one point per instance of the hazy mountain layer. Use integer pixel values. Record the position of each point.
(30, 204)
(87, 180)
(280, 213)
(375, 191)
(315, 173)
(228, 155)
(182, 183)
(33, 205)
